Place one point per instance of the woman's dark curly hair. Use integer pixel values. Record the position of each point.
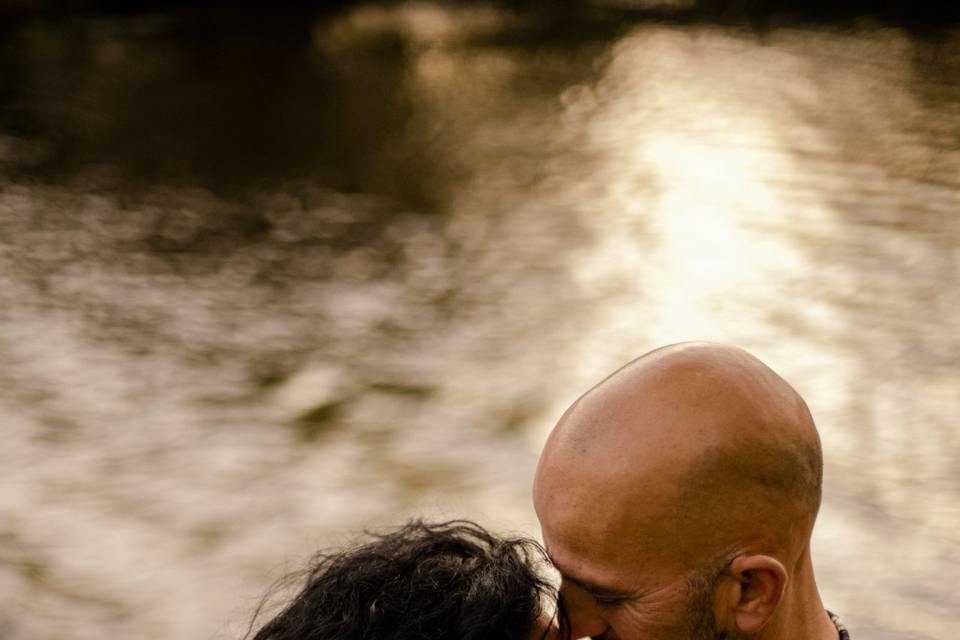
(452, 580)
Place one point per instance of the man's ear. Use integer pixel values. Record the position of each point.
(756, 590)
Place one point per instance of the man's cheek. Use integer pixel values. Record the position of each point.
(652, 621)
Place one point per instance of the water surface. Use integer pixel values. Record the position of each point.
(269, 280)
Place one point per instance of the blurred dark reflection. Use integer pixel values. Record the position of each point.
(226, 102)
(269, 276)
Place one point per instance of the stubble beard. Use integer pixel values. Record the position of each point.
(701, 622)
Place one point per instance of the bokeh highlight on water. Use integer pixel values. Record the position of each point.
(268, 280)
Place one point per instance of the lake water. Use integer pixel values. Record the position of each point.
(268, 280)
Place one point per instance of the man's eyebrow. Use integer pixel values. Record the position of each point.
(595, 589)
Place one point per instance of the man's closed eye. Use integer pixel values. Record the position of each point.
(609, 602)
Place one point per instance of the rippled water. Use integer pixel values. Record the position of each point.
(266, 281)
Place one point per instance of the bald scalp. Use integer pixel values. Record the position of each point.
(694, 448)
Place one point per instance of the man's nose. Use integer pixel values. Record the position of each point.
(583, 613)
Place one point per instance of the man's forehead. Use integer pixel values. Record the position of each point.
(609, 554)
(588, 578)
(603, 523)
(594, 573)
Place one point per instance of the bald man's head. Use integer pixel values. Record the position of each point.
(687, 453)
